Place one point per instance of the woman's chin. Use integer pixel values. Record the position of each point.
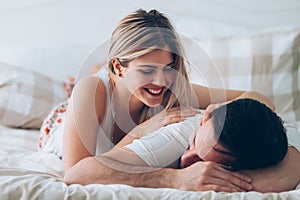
(152, 104)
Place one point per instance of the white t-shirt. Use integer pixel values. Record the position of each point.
(166, 145)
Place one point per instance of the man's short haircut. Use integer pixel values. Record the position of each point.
(252, 132)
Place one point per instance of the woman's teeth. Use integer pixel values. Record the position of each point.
(153, 91)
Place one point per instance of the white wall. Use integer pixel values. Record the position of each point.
(54, 36)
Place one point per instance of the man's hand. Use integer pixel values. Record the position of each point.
(203, 176)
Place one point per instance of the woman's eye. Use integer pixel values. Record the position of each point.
(169, 68)
(147, 71)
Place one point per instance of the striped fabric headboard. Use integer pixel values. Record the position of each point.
(266, 62)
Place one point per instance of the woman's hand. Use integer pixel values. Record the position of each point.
(165, 117)
(159, 120)
(203, 176)
(208, 111)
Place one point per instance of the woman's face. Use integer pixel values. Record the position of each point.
(149, 76)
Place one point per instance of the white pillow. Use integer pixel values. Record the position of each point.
(26, 97)
(266, 62)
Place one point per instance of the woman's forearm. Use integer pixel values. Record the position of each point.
(163, 118)
(135, 133)
(127, 139)
(259, 97)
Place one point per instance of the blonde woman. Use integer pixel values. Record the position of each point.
(144, 86)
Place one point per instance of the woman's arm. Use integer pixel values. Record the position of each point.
(164, 118)
(207, 96)
(85, 111)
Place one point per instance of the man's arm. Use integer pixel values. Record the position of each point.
(281, 177)
(104, 170)
(286, 174)
(198, 177)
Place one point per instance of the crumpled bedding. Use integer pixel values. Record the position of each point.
(26, 173)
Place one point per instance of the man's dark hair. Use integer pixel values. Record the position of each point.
(252, 132)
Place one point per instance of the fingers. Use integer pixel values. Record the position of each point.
(209, 109)
(216, 175)
(206, 117)
(182, 111)
(174, 115)
(229, 183)
(235, 174)
(207, 113)
(205, 176)
(172, 120)
(231, 179)
(179, 114)
(222, 185)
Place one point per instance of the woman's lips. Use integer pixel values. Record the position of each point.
(154, 92)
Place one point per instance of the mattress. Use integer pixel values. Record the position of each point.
(26, 173)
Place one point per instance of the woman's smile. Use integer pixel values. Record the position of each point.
(149, 76)
(155, 92)
(153, 96)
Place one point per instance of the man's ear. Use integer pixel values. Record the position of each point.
(189, 157)
(202, 122)
(117, 67)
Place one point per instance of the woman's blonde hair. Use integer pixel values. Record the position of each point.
(142, 32)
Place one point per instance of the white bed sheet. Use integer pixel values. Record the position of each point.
(26, 173)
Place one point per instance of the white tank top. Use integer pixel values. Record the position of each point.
(105, 131)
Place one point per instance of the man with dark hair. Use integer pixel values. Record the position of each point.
(244, 134)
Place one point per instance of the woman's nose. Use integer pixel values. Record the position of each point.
(160, 79)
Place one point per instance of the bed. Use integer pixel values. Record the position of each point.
(26, 173)
(35, 65)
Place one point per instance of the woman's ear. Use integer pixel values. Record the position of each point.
(117, 66)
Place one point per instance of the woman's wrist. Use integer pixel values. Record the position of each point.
(259, 97)
(138, 132)
(135, 133)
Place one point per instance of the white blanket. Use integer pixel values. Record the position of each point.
(26, 173)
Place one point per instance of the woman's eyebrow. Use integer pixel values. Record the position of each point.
(154, 66)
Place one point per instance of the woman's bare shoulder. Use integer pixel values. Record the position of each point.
(91, 91)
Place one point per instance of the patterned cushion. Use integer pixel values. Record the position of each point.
(266, 62)
(27, 97)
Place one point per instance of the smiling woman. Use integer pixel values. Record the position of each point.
(151, 71)
(140, 90)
